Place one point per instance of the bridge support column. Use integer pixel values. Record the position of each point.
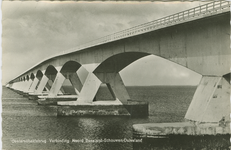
(42, 84)
(76, 83)
(33, 85)
(49, 85)
(89, 89)
(45, 82)
(27, 86)
(57, 85)
(211, 101)
(85, 106)
(115, 85)
(53, 96)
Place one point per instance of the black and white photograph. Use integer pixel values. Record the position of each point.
(116, 75)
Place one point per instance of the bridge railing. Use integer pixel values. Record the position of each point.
(200, 11)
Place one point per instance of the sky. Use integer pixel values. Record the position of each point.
(33, 31)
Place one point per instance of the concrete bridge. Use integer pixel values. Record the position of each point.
(198, 39)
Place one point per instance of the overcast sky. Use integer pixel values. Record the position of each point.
(33, 31)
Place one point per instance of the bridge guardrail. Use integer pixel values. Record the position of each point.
(203, 10)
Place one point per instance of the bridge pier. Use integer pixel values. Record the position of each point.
(113, 81)
(207, 115)
(115, 85)
(181, 135)
(56, 86)
(85, 106)
(56, 92)
(27, 86)
(89, 89)
(211, 101)
(49, 84)
(33, 85)
(75, 81)
(43, 84)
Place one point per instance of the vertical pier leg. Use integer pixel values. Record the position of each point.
(57, 84)
(211, 100)
(76, 83)
(89, 89)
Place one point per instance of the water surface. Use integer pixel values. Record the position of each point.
(25, 120)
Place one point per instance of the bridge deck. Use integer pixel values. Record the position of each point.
(202, 11)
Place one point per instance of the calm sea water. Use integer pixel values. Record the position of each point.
(24, 120)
